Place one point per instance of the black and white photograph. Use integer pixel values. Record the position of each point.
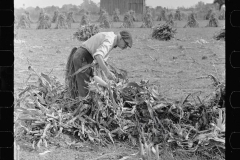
(119, 80)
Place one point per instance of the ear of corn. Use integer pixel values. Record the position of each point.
(100, 81)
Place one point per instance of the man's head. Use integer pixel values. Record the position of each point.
(124, 40)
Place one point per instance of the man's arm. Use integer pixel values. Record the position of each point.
(101, 63)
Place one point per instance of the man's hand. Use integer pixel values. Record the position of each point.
(110, 75)
(101, 63)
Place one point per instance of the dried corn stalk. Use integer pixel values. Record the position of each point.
(147, 20)
(163, 32)
(104, 21)
(23, 22)
(133, 17)
(55, 16)
(221, 15)
(170, 16)
(177, 15)
(122, 111)
(210, 11)
(44, 21)
(116, 14)
(61, 22)
(85, 32)
(220, 35)
(84, 19)
(170, 20)
(127, 21)
(102, 12)
(70, 19)
(162, 16)
(28, 17)
(213, 21)
(192, 22)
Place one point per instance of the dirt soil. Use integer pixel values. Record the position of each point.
(177, 66)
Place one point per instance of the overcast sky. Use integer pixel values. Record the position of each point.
(152, 3)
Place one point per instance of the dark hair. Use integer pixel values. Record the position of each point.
(127, 37)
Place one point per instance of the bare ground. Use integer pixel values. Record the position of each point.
(176, 66)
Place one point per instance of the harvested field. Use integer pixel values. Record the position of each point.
(179, 67)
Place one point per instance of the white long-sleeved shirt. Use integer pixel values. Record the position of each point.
(101, 44)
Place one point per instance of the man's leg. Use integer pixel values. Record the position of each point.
(79, 60)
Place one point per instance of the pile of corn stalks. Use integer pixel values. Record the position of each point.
(102, 12)
(171, 23)
(55, 16)
(23, 22)
(162, 16)
(86, 31)
(61, 22)
(44, 21)
(210, 11)
(163, 32)
(170, 16)
(221, 15)
(28, 16)
(133, 16)
(84, 19)
(134, 112)
(147, 20)
(170, 20)
(70, 19)
(213, 21)
(177, 15)
(116, 15)
(104, 21)
(220, 35)
(127, 21)
(192, 22)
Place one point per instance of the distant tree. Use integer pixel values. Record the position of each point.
(158, 9)
(50, 9)
(93, 7)
(74, 9)
(37, 9)
(220, 3)
(199, 6)
(66, 7)
(90, 6)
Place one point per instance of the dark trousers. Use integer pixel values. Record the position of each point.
(81, 58)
